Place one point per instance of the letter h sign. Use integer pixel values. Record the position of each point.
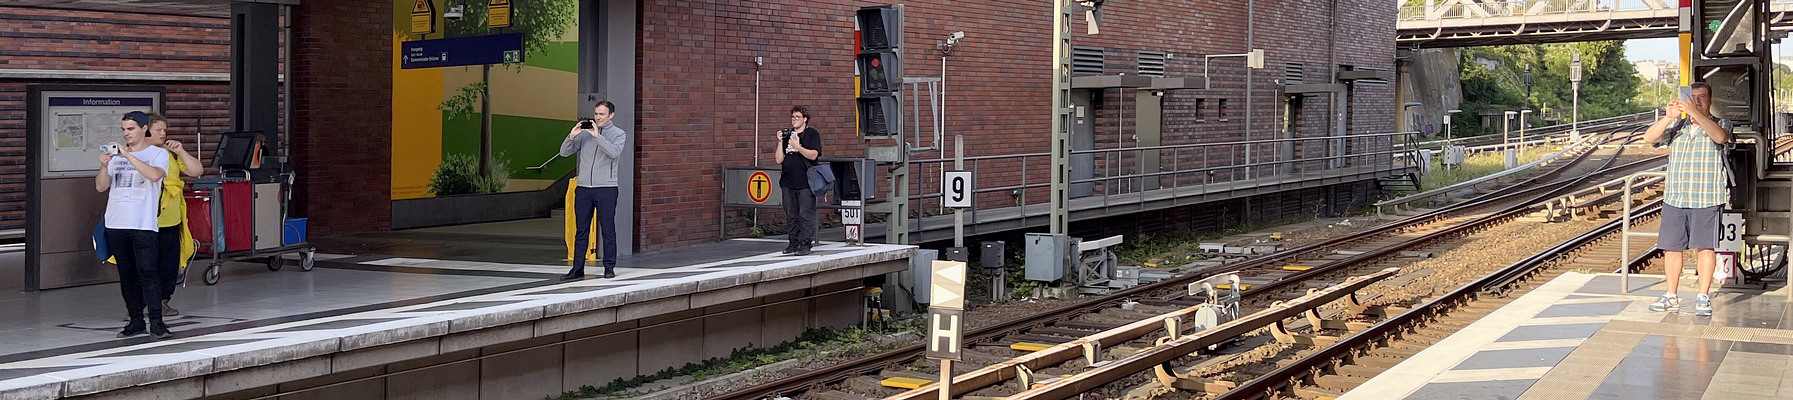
(944, 333)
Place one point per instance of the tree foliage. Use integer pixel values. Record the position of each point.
(1492, 79)
(540, 22)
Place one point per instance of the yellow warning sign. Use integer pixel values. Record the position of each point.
(759, 187)
(423, 17)
(498, 14)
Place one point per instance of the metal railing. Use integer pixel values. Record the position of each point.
(1625, 238)
(1553, 131)
(1534, 8)
(1485, 178)
(1185, 169)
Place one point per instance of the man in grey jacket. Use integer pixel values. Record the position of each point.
(599, 143)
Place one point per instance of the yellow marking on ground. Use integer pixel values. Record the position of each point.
(902, 382)
(1029, 346)
(1296, 268)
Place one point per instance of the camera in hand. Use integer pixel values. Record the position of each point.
(109, 149)
(585, 124)
(784, 139)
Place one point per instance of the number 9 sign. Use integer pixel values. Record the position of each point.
(956, 189)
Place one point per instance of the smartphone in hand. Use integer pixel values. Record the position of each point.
(585, 124)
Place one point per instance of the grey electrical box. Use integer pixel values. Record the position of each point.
(922, 268)
(991, 257)
(959, 254)
(1046, 256)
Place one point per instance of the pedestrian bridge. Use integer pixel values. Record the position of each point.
(1464, 23)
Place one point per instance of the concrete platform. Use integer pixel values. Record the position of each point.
(261, 328)
(1578, 337)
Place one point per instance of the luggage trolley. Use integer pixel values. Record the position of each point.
(229, 216)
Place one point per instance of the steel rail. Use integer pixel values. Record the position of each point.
(1185, 345)
(1270, 385)
(821, 377)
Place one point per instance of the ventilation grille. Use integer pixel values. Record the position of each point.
(1293, 74)
(1086, 61)
(1371, 82)
(1151, 63)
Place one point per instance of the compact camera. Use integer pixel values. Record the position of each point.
(585, 124)
(784, 139)
(109, 149)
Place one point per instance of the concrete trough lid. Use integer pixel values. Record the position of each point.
(96, 372)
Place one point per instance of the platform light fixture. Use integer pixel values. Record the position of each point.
(1092, 14)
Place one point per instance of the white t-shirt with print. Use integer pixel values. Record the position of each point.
(134, 200)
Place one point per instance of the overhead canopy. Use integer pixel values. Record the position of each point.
(1110, 81)
(208, 8)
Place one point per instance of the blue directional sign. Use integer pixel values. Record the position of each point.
(461, 51)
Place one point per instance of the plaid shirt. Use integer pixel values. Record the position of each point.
(1695, 169)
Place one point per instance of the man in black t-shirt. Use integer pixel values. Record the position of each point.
(798, 148)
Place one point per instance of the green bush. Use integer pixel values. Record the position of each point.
(501, 175)
(457, 174)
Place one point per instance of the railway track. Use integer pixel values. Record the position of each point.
(1330, 371)
(1042, 346)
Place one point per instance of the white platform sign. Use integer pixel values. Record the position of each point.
(1730, 233)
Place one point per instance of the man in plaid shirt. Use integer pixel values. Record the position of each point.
(1696, 194)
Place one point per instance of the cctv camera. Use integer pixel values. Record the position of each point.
(956, 36)
(455, 9)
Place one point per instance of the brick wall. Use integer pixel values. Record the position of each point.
(696, 84)
(342, 114)
(32, 38)
(39, 39)
(695, 87)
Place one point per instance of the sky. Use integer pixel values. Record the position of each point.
(1665, 48)
(1651, 49)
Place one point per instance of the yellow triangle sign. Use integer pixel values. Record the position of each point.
(423, 7)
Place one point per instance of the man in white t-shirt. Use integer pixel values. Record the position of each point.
(132, 179)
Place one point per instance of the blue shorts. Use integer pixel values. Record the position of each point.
(1689, 228)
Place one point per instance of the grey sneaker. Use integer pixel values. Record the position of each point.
(1666, 303)
(168, 311)
(1702, 306)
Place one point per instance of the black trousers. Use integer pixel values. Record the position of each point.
(603, 200)
(138, 282)
(168, 258)
(800, 214)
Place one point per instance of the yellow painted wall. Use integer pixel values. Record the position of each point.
(416, 128)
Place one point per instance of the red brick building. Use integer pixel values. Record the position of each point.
(693, 94)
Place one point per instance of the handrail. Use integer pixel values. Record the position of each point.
(1260, 164)
(1472, 182)
(1547, 130)
(1625, 237)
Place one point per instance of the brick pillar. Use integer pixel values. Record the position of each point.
(342, 114)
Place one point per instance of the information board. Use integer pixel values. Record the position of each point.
(74, 124)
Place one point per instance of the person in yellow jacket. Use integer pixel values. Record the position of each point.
(175, 243)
